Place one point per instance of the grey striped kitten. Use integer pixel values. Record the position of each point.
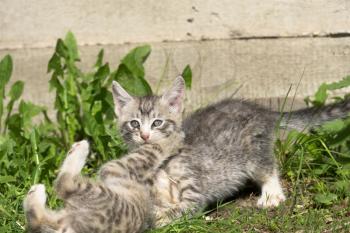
(122, 200)
(226, 144)
(229, 143)
(90, 206)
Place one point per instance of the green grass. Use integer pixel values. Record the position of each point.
(235, 218)
(315, 167)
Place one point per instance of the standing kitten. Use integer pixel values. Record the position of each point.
(122, 200)
(229, 143)
(226, 144)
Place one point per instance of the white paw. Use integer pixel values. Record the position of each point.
(270, 200)
(76, 157)
(80, 148)
(271, 192)
(79, 151)
(37, 194)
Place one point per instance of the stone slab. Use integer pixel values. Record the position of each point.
(38, 23)
(260, 69)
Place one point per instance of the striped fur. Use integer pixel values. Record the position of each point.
(227, 144)
(90, 206)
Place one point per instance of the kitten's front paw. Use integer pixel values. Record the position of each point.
(161, 219)
(76, 157)
(80, 150)
(271, 192)
(81, 147)
(166, 215)
(270, 200)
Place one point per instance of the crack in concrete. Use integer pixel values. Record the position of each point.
(328, 35)
(275, 37)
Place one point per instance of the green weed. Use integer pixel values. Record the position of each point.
(32, 152)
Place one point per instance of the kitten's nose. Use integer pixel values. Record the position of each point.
(145, 136)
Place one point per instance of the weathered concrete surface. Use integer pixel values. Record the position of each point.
(38, 23)
(265, 68)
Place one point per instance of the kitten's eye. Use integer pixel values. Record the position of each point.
(135, 124)
(157, 123)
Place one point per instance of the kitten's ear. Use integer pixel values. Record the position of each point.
(120, 97)
(174, 96)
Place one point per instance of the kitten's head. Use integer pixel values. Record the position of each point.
(150, 119)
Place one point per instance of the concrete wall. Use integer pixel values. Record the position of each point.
(263, 46)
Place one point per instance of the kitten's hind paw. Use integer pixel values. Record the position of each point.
(35, 196)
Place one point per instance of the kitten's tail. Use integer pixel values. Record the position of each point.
(307, 118)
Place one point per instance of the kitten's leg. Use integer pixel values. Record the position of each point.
(271, 192)
(135, 166)
(37, 215)
(176, 198)
(76, 158)
(68, 179)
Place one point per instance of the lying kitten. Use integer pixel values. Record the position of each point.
(89, 206)
(226, 144)
(122, 199)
